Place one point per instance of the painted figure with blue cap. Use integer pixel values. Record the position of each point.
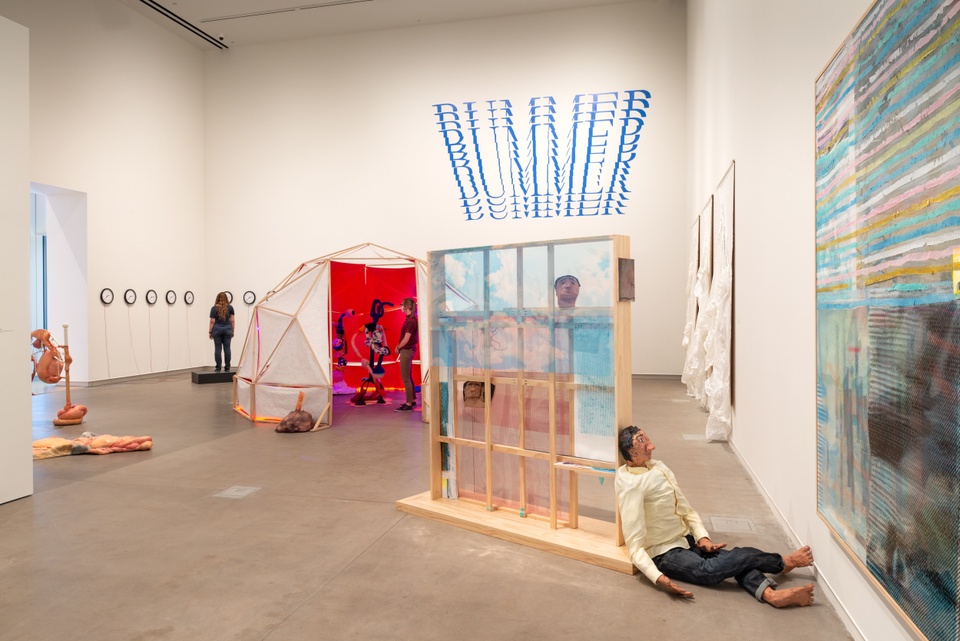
(567, 288)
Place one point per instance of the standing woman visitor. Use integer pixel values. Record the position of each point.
(221, 329)
(408, 343)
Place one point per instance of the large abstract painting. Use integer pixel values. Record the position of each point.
(888, 320)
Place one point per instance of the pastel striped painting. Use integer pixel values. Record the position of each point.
(888, 322)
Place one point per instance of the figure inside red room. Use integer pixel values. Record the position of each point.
(339, 356)
(375, 339)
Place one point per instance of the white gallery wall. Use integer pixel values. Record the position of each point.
(317, 145)
(16, 463)
(753, 64)
(224, 170)
(116, 121)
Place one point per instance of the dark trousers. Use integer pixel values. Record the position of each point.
(746, 565)
(406, 373)
(221, 340)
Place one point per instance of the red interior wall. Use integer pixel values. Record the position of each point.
(355, 287)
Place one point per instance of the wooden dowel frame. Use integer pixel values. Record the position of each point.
(557, 382)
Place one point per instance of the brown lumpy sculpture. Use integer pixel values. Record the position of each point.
(298, 420)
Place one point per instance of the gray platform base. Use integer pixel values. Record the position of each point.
(207, 375)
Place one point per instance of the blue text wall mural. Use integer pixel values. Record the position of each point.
(553, 160)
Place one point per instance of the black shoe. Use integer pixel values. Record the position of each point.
(380, 401)
(404, 408)
(217, 369)
(227, 368)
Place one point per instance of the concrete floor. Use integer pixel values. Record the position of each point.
(137, 546)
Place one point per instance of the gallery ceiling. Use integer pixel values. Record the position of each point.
(218, 24)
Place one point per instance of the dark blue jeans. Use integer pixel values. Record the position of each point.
(746, 565)
(221, 339)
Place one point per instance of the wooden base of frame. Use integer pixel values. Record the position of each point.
(590, 542)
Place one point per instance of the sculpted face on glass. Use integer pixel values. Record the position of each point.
(567, 289)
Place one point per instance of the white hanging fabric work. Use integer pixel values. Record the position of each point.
(691, 322)
(696, 365)
(718, 354)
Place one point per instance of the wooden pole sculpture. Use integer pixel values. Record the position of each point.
(70, 414)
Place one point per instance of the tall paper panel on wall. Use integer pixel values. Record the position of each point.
(888, 320)
(696, 361)
(16, 472)
(718, 343)
(689, 328)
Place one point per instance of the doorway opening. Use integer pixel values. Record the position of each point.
(58, 272)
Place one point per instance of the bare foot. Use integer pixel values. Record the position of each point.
(794, 596)
(800, 559)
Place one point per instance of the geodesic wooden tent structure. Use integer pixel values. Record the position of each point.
(288, 350)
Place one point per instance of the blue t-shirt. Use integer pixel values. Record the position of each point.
(217, 322)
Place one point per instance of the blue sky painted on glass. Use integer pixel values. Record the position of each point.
(590, 262)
